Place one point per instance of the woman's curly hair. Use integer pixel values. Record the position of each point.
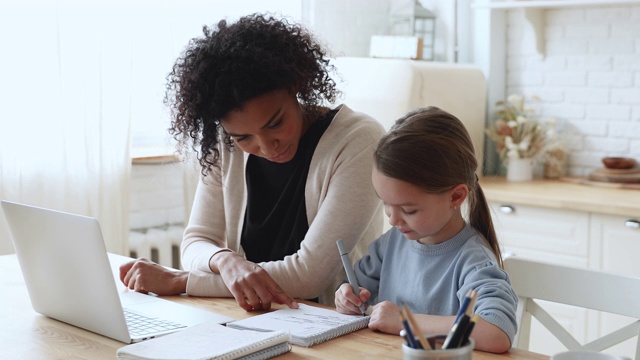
(234, 63)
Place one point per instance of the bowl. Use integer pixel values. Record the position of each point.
(618, 162)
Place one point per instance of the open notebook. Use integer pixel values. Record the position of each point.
(308, 325)
(209, 341)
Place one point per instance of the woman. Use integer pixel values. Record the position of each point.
(282, 176)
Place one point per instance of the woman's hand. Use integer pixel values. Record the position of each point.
(251, 285)
(143, 275)
(347, 302)
(386, 318)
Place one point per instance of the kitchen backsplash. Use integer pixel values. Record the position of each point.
(588, 79)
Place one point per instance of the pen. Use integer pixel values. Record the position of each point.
(403, 333)
(468, 330)
(409, 335)
(457, 331)
(406, 313)
(351, 276)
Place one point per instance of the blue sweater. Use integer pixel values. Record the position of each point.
(433, 279)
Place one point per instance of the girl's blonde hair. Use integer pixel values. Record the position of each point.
(432, 149)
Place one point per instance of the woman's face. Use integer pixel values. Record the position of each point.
(269, 126)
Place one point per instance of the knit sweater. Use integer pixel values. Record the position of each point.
(434, 279)
(340, 204)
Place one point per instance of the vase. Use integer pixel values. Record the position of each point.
(519, 169)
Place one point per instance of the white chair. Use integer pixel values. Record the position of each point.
(583, 288)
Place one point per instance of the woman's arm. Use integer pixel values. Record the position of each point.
(343, 206)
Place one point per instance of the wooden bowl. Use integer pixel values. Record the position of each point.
(618, 162)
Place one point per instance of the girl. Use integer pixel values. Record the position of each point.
(424, 170)
(282, 175)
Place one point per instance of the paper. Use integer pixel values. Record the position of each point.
(204, 341)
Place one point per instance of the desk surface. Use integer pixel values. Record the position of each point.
(25, 334)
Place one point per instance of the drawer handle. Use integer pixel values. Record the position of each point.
(507, 209)
(632, 223)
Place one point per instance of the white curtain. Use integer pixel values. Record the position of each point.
(78, 80)
(65, 109)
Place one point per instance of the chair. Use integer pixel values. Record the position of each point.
(583, 288)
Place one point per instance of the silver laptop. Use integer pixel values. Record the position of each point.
(69, 278)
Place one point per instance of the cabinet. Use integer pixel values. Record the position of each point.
(576, 238)
(552, 235)
(559, 236)
(615, 243)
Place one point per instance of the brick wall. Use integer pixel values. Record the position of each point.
(588, 80)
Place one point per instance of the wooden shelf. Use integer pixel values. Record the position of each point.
(153, 155)
(517, 4)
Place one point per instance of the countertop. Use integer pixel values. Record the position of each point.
(567, 194)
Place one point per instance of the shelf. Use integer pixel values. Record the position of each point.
(153, 155)
(534, 11)
(518, 4)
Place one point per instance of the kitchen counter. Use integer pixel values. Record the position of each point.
(558, 194)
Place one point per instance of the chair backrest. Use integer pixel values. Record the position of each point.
(589, 289)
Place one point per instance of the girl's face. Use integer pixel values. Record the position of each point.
(418, 215)
(269, 126)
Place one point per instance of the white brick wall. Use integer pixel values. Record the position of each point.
(589, 78)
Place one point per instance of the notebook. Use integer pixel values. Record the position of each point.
(308, 325)
(66, 269)
(209, 341)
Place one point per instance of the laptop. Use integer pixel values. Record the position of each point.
(69, 278)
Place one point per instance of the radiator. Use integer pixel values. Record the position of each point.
(161, 244)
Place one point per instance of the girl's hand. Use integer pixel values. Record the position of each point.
(386, 318)
(251, 285)
(347, 302)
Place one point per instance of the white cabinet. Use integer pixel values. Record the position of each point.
(559, 236)
(552, 235)
(574, 238)
(615, 245)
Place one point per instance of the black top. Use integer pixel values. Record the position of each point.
(275, 221)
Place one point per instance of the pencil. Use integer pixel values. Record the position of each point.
(410, 338)
(464, 305)
(409, 316)
(457, 331)
(467, 333)
(472, 303)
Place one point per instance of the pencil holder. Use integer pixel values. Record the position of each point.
(460, 353)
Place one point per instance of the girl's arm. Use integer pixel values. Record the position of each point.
(488, 337)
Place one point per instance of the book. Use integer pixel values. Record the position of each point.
(209, 341)
(308, 325)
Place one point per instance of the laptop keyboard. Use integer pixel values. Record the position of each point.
(142, 325)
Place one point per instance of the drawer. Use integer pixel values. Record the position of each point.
(542, 233)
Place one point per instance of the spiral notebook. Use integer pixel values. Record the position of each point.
(308, 325)
(210, 341)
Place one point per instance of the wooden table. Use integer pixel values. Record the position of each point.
(25, 334)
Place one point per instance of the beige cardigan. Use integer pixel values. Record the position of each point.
(340, 204)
